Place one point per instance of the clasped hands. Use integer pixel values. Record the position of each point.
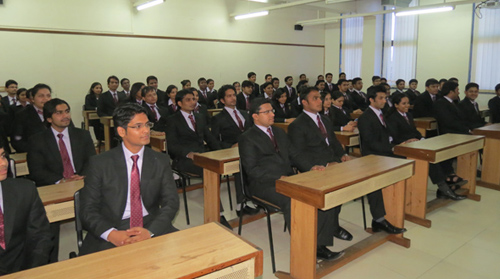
(132, 235)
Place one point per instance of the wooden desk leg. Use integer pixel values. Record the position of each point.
(416, 194)
(107, 139)
(422, 131)
(211, 196)
(490, 175)
(467, 169)
(394, 201)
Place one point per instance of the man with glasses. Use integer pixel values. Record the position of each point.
(129, 193)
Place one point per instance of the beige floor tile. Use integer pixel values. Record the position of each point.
(445, 270)
(477, 260)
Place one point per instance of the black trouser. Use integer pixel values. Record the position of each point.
(54, 230)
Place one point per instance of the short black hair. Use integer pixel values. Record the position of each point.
(399, 81)
(151, 78)
(113, 77)
(340, 81)
(246, 83)
(221, 93)
(454, 79)
(497, 87)
(319, 81)
(251, 74)
(356, 79)
(383, 79)
(123, 114)
(306, 91)
(267, 75)
(181, 94)
(21, 90)
(320, 76)
(236, 82)
(329, 74)
(185, 82)
(146, 90)
(201, 79)
(342, 73)
(412, 81)
(448, 87)
(256, 104)
(443, 80)
(266, 84)
(209, 80)
(277, 94)
(302, 75)
(287, 78)
(274, 79)
(374, 78)
(431, 81)
(123, 80)
(170, 88)
(372, 93)
(39, 86)
(49, 108)
(10, 82)
(336, 95)
(471, 85)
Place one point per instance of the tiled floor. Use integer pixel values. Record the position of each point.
(462, 243)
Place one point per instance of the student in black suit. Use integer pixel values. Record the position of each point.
(252, 77)
(412, 91)
(135, 96)
(282, 110)
(276, 84)
(91, 100)
(22, 99)
(358, 96)
(320, 84)
(244, 98)
(268, 78)
(25, 238)
(376, 80)
(111, 98)
(400, 86)
(170, 102)
(129, 193)
(268, 91)
(494, 106)
(237, 86)
(448, 115)
(213, 94)
(329, 86)
(341, 120)
(402, 130)
(200, 109)
(186, 83)
(5, 118)
(60, 153)
(469, 107)
(11, 89)
(156, 114)
(125, 83)
(291, 93)
(349, 104)
(267, 154)
(204, 97)
(30, 120)
(424, 104)
(227, 126)
(153, 82)
(296, 105)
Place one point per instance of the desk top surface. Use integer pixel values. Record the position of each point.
(18, 157)
(184, 254)
(345, 174)
(424, 119)
(59, 192)
(490, 131)
(347, 134)
(215, 160)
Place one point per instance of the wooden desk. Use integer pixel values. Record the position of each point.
(107, 121)
(490, 175)
(215, 164)
(425, 123)
(206, 249)
(314, 190)
(435, 150)
(348, 138)
(158, 143)
(355, 115)
(21, 163)
(58, 200)
(283, 126)
(212, 112)
(89, 115)
(484, 111)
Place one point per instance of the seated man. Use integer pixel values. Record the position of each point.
(25, 238)
(244, 98)
(424, 103)
(469, 107)
(129, 193)
(494, 106)
(266, 155)
(156, 114)
(448, 115)
(110, 99)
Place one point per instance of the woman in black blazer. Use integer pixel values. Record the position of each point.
(91, 100)
(135, 96)
(282, 111)
(341, 118)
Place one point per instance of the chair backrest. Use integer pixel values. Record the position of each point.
(244, 183)
(78, 221)
(12, 168)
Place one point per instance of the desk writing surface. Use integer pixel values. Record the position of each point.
(59, 192)
(490, 131)
(107, 120)
(184, 254)
(215, 160)
(440, 148)
(282, 125)
(18, 157)
(348, 138)
(428, 123)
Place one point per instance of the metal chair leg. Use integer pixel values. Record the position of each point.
(363, 208)
(241, 218)
(229, 193)
(185, 199)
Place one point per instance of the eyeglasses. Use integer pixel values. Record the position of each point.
(267, 111)
(139, 126)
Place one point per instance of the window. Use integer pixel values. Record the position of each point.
(351, 46)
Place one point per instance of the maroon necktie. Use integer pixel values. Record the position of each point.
(191, 117)
(273, 140)
(248, 102)
(115, 98)
(240, 124)
(197, 109)
(13, 101)
(174, 107)
(39, 111)
(154, 112)
(135, 195)
(2, 230)
(406, 117)
(382, 119)
(322, 128)
(330, 86)
(68, 168)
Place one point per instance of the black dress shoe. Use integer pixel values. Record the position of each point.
(224, 222)
(343, 234)
(449, 194)
(325, 254)
(387, 227)
(247, 210)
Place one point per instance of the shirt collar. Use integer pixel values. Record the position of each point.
(127, 153)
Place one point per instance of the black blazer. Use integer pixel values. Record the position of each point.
(256, 90)
(90, 102)
(424, 106)
(160, 124)
(208, 101)
(181, 139)
(494, 106)
(26, 227)
(44, 159)
(279, 114)
(412, 95)
(400, 130)
(449, 118)
(226, 130)
(472, 117)
(262, 164)
(373, 135)
(27, 123)
(106, 104)
(339, 118)
(289, 98)
(104, 196)
(241, 102)
(307, 138)
(359, 101)
(203, 113)
(349, 104)
(296, 107)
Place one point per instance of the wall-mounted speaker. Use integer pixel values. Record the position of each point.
(297, 27)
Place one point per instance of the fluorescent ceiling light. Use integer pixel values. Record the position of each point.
(263, 13)
(426, 11)
(261, 1)
(148, 4)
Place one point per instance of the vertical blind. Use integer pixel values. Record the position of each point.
(351, 48)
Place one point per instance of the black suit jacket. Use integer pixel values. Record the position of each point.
(400, 130)
(160, 124)
(307, 138)
(279, 114)
(340, 119)
(27, 124)
(106, 104)
(449, 118)
(289, 98)
(90, 102)
(262, 164)
(256, 90)
(104, 196)
(208, 101)
(203, 113)
(374, 136)
(44, 159)
(296, 107)
(360, 102)
(241, 102)
(27, 234)
(494, 106)
(226, 130)
(181, 139)
(472, 117)
(424, 106)
(412, 95)
(349, 104)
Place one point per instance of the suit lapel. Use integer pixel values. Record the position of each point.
(75, 147)
(183, 123)
(9, 215)
(229, 119)
(53, 147)
(121, 173)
